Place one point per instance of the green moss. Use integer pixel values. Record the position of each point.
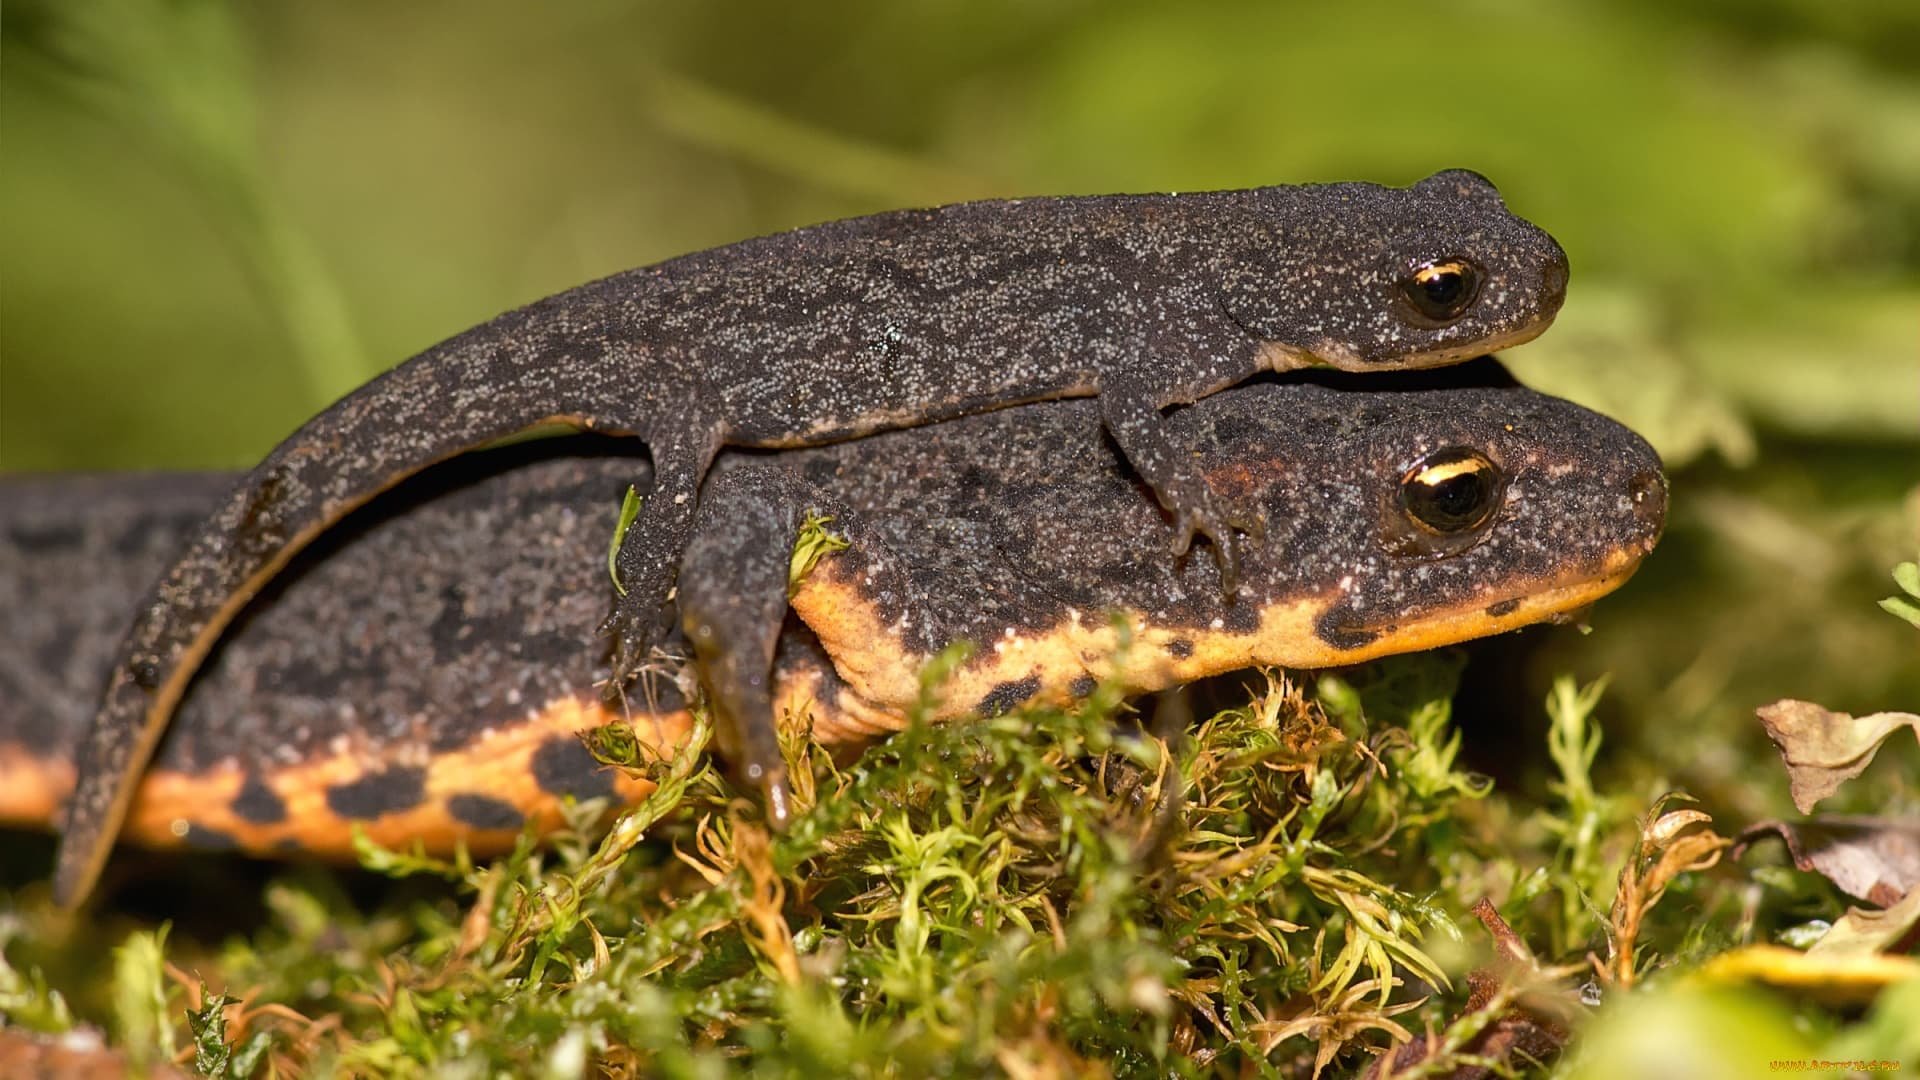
(964, 899)
(629, 510)
(813, 544)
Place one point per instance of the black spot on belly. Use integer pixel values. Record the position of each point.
(199, 836)
(562, 766)
(1083, 686)
(287, 845)
(1240, 618)
(1003, 698)
(1339, 632)
(378, 793)
(257, 803)
(484, 812)
(1504, 607)
(1180, 647)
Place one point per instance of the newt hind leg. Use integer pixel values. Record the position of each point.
(650, 554)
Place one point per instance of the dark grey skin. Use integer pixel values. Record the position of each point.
(853, 327)
(453, 604)
(1020, 526)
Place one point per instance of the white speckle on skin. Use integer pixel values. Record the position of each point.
(178, 827)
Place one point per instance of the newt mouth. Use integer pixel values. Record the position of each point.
(1565, 600)
(1297, 633)
(1453, 354)
(1279, 357)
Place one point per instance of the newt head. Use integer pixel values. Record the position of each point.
(1427, 517)
(1399, 278)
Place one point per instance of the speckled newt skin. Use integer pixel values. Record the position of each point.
(851, 327)
(1030, 544)
(418, 672)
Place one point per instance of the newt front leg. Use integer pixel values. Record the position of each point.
(1137, 425)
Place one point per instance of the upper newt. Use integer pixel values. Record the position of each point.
(851, 327)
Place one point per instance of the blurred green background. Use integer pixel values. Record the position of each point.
(217, 217)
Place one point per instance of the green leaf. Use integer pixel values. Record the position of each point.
(1907, 576)
(211, 1054)
(812, 545)
(140, 996)
(613, 743)
(629, 509)
(1903, 607)
(25, 999)
(399, 864)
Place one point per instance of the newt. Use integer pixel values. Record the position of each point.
(417, 671)
(843, 329)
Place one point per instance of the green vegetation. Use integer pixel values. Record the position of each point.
(217, 217)
(629, 510)
(1031, 895)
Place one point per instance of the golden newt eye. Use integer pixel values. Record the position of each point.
(1442, 290)
(1451, 491)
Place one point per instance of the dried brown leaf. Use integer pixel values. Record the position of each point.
(1672, 842)
(762, 907)
(1336, 1024)
(1824, 749)
(1863, 933)
(1873, 859)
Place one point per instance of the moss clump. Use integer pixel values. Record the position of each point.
(1284, 889)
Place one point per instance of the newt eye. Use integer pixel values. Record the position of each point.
(1441, 290)
(1451, 491)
